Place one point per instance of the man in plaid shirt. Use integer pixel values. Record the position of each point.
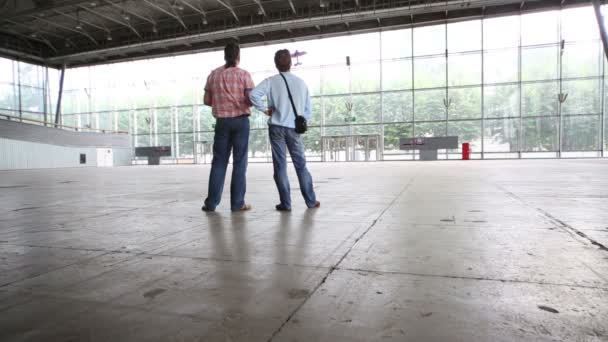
(227, 92)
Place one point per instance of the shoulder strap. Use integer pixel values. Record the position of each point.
(293, 106)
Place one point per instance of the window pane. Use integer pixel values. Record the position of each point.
(6, 70)
(579, 24)
(539, 98)
(539, 63)
(124, 121)
(335, 80)
(467, 132)
(582, 60)
(312, 141)
(584, 96)
(258, 142)
(429, 105)
(464, 36)
(312, 78)
(429, 72)
(8, 99)
(366, 108)
(396, 44)
(365, 77)
(465, 103)
(392, 134)
(539, 28)
(397, 75)
(501, 66)
(464, 69)
(32, 99)
(430, 129)
(31, 75)
(106, 121)
(539, 134)
(184, 120)
(335, 110)
(581, 133)
(316, 111)
(501, 101)
(397, 106)
(501, 32)
(500, 135)
(429, 40)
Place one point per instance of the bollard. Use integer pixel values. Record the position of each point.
(465, 151)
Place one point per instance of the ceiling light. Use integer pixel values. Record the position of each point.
(323, 4)
(154, 29)
(109, 38)
(78, 26)
(93, 4)
(34, 35)
(205, 22)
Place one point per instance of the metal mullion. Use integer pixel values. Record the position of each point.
(19, 89)
(380, 144)
(482, 90)
(559, 105)
(413, 93)
(447, 117)
(519, 80)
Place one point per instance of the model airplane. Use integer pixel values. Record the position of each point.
(297, 55)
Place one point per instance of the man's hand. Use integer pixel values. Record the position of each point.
(269, 111)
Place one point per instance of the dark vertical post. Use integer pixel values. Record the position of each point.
(600, 22)
(58, 111)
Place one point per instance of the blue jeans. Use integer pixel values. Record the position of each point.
(231, 134)
(281, 140)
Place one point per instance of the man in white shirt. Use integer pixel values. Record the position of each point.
(281, 128)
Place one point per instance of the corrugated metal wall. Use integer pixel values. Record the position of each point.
(24, 146)
(17, 154)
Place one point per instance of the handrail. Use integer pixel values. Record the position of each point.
(74, 128)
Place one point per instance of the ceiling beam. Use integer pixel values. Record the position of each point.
(293, 8)
(109, 18)
(223, 3)
(259, 3)
(136, 15)
(81, 21)
(27, 39)
(40, 30)
(173, 15)
(191, 6)
(67, 28)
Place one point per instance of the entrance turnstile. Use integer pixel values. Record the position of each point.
(361, 147)
(203, 152)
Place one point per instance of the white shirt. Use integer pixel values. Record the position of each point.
(274, 89)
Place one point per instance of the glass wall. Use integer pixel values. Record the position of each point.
(521, 86)
(26, 91)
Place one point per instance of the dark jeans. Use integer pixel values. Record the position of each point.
(281, 140)
(231, 134)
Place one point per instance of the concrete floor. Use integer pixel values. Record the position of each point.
(437, 251)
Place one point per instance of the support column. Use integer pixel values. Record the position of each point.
(59, 96)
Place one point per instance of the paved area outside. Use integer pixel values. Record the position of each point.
(398, 251)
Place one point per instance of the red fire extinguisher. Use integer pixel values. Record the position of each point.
(466, 152)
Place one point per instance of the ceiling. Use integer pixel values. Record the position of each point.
(76, 32)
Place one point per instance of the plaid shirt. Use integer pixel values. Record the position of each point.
(228, 88)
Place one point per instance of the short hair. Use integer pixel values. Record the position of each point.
(282, 60)
(232, 52)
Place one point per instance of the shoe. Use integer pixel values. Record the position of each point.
(317, 205)
(280, 207)
(206, 209)
(245, 207)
